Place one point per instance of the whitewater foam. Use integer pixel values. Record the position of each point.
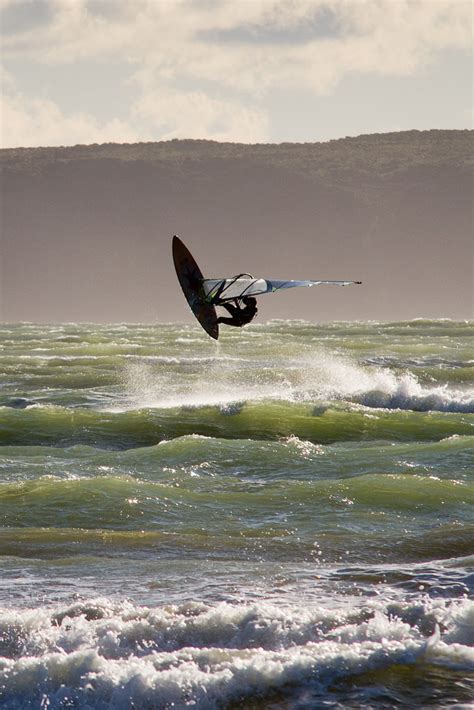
(105, 654)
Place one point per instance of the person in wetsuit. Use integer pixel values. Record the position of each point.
(240, 314)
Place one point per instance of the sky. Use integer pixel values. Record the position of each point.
(252, 71)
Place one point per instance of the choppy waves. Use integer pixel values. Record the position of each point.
(282, 520)
(316, 422)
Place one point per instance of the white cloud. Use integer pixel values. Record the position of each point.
(192, 37)
(204, 67)
(28, 122)
(195, 115)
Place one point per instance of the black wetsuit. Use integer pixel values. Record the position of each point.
(240, 315)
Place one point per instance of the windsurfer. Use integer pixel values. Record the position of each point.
(240, 315)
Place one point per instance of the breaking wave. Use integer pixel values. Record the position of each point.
(99, 653)
(322, 377)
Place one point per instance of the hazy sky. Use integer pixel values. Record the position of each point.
(87, 71)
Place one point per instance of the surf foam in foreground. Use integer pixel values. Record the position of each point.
(102, 654)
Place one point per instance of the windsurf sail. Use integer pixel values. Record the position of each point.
(221, 290)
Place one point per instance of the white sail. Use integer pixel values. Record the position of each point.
(221, 290)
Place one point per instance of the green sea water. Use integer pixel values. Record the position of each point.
(282, 519)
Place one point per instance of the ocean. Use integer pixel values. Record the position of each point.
(281, 520)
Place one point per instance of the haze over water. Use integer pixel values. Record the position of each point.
(282, 519)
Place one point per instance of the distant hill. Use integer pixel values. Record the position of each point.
(86, 230)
